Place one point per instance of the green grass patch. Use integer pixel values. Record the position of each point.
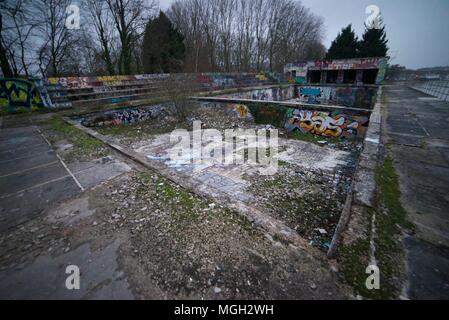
(390, 218)
(186, 209)
(354, 259)
(133, 130)
(309, 137)
(389, 221)
(268, 114)
(84, 145)
(390, 194)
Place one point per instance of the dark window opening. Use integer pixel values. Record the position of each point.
(369, 76)
(332, 76)
(314, 76)
(349, 76)
(293, 74)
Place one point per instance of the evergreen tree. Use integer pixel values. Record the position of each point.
(163, 46)
(374, 42)
(344, 46)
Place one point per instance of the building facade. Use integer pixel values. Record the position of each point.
(358, 71)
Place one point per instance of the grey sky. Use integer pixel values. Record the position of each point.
(418, 30)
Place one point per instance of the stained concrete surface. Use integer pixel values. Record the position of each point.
(320, 176)
(32, 176)
(32, 180)
(418, 130)
(230, 178)
(45, 277)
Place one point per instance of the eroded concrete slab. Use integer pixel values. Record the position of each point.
(45, 277)
(306, 191)
(230, 178)
(417, 129)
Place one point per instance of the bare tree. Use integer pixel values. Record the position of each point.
(57, 41)
(129, 18)
(18, 24)
(245, 35)
(4, 61)
(101, 19)
(186, 16)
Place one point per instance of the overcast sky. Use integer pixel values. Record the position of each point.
(418, 30)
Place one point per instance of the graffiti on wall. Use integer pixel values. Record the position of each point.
(217, 81)
(61, 89)
(242, 111)
(261, 77)
(124, 116)
(102, 81)
(43, 92)
(323, 123)
(269, 94)
(349, 96)
(18, 94)
(315, 95)
(301, 69)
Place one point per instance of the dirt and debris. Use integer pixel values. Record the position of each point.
(174, 245)
(308, 201)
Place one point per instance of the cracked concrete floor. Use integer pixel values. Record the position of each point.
(141, 237)
(306, 190)
(417, 131)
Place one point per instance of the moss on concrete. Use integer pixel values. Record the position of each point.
(84, 145)
(309, 137)
(133, 130)
(268, 114)
(390, 217)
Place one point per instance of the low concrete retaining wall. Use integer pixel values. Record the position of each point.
(124, 116)
(322, 120)
(361, 197)
(363, 97)
(275, 93)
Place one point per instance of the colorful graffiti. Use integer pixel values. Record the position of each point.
(242, 110)
(19, 94)
(315, 95)
(261, 77)
(268, 94)
(330, 124)
(100, 81)
(124, 116)
(349, 96)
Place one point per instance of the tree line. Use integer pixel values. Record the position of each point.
(346, 45)
(133, 36)
(241, 35)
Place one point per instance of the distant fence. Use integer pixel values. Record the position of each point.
(436, 88)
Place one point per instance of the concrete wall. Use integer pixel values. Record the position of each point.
(328, 122)
(78, 91)
(264, 94)
(335, 122)
(123, 116)
(349, 96)
(301, 69)
(21, 94)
